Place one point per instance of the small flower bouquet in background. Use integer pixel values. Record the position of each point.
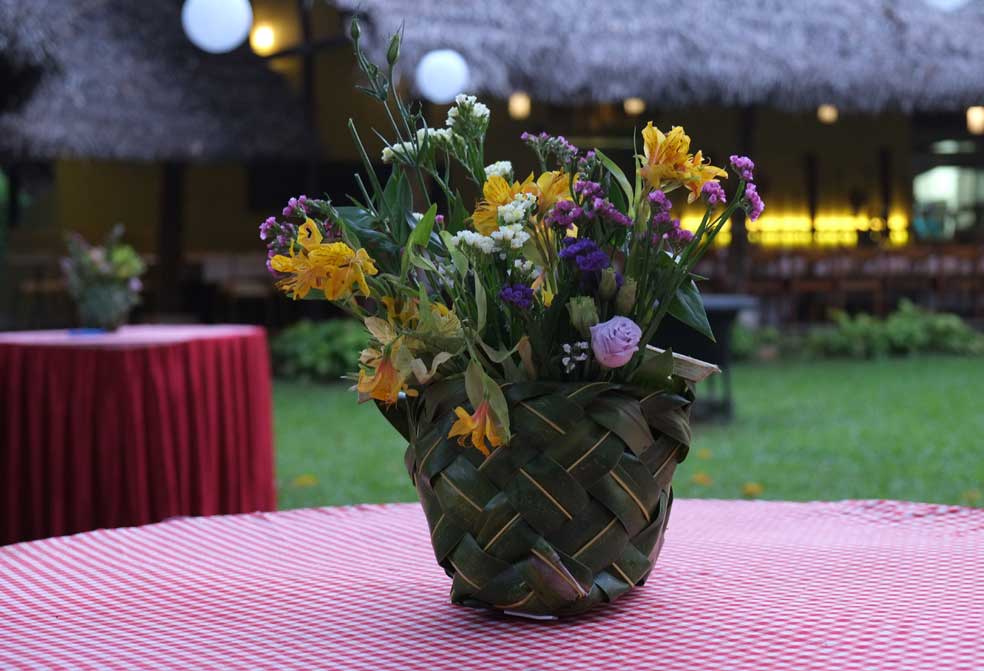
(104, 281)
(507, 326)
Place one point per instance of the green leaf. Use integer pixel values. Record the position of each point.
(481, 303)
(458, 216)
(617, 173)
(421, 232)
(474, 386)
(688, 307)
(621, 414)
(460, 260)
(655, 370)
(397, 205)
(419, 237)
(358, 227)
(499, 406)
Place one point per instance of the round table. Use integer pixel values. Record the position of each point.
(739, 586)
(131, 427)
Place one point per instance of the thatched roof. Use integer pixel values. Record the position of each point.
(864, 55)
(119, 79)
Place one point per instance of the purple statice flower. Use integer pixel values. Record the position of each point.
(546, 146)
(744, 166)
(564, 214)
(588, 190)
(296, 207)
(585, 253)
(586, 164)
(660, 201)
(668, 229)
(266, 228)
(518, 295)
(754, 203)
(714, 193)
(607, 211)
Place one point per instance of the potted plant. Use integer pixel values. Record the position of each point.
(507, 329)
(103, 280)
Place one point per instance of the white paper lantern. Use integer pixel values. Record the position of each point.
(217, 26)
(441, 75)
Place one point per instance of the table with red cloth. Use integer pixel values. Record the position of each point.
(130, 427)
(739, 586)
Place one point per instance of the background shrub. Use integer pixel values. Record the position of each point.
(323, 350)
(907, 331)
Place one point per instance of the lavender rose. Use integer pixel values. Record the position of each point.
(615, 341)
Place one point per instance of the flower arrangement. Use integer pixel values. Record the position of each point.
(103, 280)
(491, 307)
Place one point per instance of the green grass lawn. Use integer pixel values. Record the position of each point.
(903, 429)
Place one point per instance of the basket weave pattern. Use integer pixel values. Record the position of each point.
(571, 513)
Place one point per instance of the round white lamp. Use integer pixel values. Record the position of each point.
(441, 75)
(217, 26)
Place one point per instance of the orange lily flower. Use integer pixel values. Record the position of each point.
(479, 426)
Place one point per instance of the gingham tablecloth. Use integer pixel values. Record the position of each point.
(740, 586)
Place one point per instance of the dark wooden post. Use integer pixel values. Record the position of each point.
(169, 240)
(885, 181)
(811, 173)
(307, 92)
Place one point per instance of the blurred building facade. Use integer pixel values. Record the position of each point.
(864, 124)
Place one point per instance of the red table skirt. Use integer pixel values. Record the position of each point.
(108, 436)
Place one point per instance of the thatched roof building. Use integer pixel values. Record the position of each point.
(119, 80)
(862, 55)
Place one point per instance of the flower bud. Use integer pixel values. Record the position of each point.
(393, 53)
(626, 297)
(608, 285)
(354, 30)
(583, 314)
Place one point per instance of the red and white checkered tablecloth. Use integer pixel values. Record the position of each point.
(740, 586)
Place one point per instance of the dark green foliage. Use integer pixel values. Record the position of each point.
(907, 331)
(322, 351)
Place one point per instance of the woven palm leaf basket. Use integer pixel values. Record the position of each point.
(573, 511)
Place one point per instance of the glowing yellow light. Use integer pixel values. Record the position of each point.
(827, 114)
(795, 229)
(263, 39)
(634, 106)
(975, 120)
(519, 105)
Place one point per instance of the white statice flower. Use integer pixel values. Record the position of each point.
(467, 114)
(522, 268)
(404, 150)
(517, 210)
(574, 354)
(439, 137)
(482, 243)
(501, 169)
(510, 236)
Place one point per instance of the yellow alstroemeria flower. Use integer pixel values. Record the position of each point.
(552, 187)
(352, 272)
(479, 426)
(303, 275)
(308, 235)
(496, 192)
(330, 267)
(667, 156)
(387, 380)
(403, 311)
(700, 174)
